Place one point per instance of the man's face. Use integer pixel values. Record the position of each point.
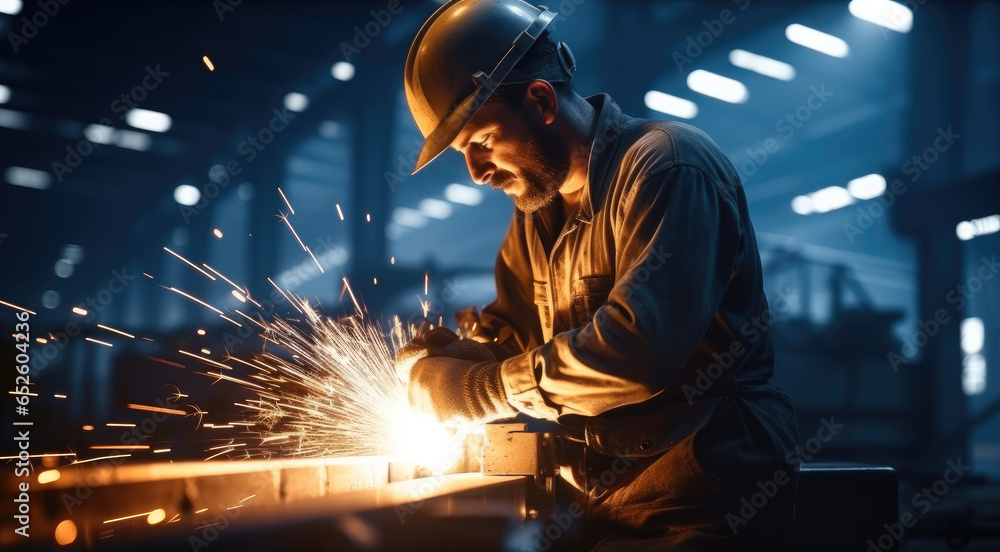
(509, 150)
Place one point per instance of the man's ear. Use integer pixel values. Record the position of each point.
(542, 100)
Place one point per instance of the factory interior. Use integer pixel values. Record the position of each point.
(203, 204)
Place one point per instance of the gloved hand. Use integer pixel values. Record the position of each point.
(439, 342)
(456, 390)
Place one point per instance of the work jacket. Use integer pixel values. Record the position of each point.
(648, 307)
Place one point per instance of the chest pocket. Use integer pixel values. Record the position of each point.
(589, 293)
(544, 310)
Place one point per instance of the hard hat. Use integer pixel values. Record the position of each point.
(461, 54)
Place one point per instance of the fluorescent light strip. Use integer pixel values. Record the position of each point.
(884, 13)
(968, 229)
(817, 40)
(762, 64)
(718, 87)
(153, 121)
(28, 178)
(869, 186)
(671, 105)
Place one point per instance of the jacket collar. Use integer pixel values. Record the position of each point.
(602, 153)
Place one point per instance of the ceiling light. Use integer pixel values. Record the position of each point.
(186, 194)
(885, 13)
(762, 64)
(817, 40)
(867, 187)
(153, 121)
(464, 195)
(671, 105)
(342, 71)
(29, 178)
(718, 87)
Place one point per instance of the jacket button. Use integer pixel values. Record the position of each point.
(646, 445)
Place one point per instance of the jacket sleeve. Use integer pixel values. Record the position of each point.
(511, 321)
(677, 237)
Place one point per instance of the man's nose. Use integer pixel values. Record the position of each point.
(480, 167)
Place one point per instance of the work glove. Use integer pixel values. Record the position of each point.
(439, 342)
(454, 390)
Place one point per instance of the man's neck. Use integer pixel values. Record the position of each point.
(582, 129)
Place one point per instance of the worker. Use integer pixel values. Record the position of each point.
(630, 307)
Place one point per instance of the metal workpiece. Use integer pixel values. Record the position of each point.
(510, 449)
(357, 503)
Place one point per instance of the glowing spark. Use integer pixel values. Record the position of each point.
(167, 362)
(88, 427)
(132, 516)
(206, 360)
(208, 63)
(176, 395)
(375, 281)
(248, 498)
(41, 340)
(15, 307)
(148, 275)
(337, 393)
(339, 212)
(283, 294)
(427, 280)
(424, 306)
(46, 455)
(110, 329)
(201, 511)
(220, 375)
(294, 233)
(231, 321)
(59, 396)
(239, 296)
(146, 408)
(99, 342)
(26, 394)
(218, 233)
(195, 299)
(157, 451)
(248, 318)
(206, 351)
(197, 412)
(220, 454)
(189, 263)
(349, 290)
(119, 425)
(228, 281)
(201, 331)
(80, 311)
(309, 251)
(368, 217)
(176, 516)
(286, 201)
(228, 445)
(119, 447)
(100, 458)
(392, 260)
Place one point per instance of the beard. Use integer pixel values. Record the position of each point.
(543, 171)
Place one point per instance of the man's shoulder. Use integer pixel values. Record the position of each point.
(663, 144)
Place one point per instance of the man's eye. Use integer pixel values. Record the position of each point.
(488, 141)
